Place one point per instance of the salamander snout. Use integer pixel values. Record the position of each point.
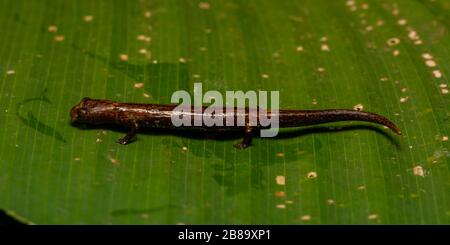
(79, 112)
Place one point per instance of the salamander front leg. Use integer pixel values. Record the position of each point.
(247, 138)
(129, 136)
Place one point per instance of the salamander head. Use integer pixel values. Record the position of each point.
(91, 111)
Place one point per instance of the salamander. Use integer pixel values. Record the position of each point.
(137, 116)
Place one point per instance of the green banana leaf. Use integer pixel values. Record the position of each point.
(388, 57)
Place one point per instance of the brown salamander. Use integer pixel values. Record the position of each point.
(135, 116)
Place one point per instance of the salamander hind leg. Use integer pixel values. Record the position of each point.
(247, 139)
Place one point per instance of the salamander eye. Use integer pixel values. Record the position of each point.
(82, 112)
